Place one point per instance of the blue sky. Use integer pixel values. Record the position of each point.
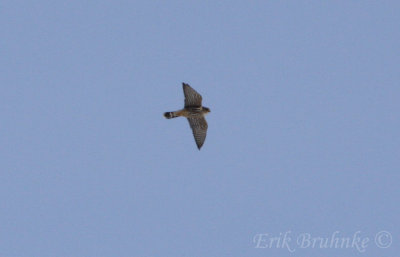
(303, 132)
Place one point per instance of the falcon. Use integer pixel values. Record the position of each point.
(195, 114)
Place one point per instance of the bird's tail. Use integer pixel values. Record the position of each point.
(170, 115)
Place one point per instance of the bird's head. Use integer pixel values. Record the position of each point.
(206, 110)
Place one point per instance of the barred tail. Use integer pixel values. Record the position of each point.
(170, 115)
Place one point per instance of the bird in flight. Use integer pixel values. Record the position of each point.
(194, 112)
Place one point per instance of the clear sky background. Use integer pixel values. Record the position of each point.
(303, 131)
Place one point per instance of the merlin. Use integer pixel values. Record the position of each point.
(194, 112)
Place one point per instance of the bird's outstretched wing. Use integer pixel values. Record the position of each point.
(199, 127)
(192, 98)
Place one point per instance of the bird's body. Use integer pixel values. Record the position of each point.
(186, 112)
(194, 112)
